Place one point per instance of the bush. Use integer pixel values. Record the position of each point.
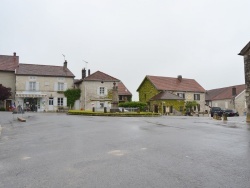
(2, 109)
(141, 105)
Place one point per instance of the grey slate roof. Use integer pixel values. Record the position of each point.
(43, 70)
(165, 95)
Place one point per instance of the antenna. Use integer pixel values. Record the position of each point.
(64, 57)
(86, 63)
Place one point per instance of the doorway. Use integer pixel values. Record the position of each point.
(51, 104)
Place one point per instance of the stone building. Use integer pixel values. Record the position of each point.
(8, 65)
(245, 52)
(232, 97)
(96, 91)
(40, 87)
(187, 89)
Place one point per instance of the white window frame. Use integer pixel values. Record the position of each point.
(59, 101)
(182, 95)
(101, 90)
(196, 98)
(60, 86)
(32, 86)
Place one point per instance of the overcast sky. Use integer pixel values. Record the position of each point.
(129, 39)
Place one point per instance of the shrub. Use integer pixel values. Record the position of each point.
(140, 105)
(2, 109)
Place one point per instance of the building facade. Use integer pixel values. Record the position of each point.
(187, 89)
(8, 65)
(40, 87)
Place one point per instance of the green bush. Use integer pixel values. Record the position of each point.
(2, 109)
(128, 114)
(141, 105)
(72, 95)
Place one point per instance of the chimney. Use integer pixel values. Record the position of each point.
(14, 54)
(179, 78)
(83, 73)
(65, 65)
(233, 91)
(88, 72)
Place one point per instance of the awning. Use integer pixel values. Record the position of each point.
(29, 95)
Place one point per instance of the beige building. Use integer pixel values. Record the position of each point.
(8, 65)
(232, 97)
(96, 91)
(40, 87)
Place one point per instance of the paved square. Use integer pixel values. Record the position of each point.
(57, 150)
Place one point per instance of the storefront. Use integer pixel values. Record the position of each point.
(34, 102)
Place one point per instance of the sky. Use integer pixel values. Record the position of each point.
(129, 39)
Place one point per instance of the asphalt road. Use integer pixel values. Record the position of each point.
(57, 150)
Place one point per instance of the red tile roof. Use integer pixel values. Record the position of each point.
(174, 84)
(164, 95)
(223, 93)
(100, 76)
(8, 63)
(43, 70)
(122, 90)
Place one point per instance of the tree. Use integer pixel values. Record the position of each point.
(190, 104)
(5, 92)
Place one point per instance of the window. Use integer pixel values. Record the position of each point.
(32, 86)
(101, 91)
(181, 108)
(102, 105)
(60, 86)
(60, 101)
(182, 95)
(197, 97)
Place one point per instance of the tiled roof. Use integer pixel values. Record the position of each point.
(8, 63)
(122, 90)
(100, 76)
(174, 84)
(43, 70)
(223, 93)
(164, 95)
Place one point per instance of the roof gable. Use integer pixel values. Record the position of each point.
(122, 90)
(174, 84)
(100, 76)
(8, 63)
(43, 70)
(165, 95)
(223, 93)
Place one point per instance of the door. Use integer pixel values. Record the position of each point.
(51, 104)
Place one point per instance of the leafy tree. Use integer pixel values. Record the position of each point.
(5, 92)
(190, 104)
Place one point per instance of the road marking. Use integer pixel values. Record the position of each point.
(144, 148)
(116, 152)
(26, 158)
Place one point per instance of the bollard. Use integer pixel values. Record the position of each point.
(224, 117)
(105, 109)
(93, 109)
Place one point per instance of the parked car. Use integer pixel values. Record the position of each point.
(231, 113)
(216, 110)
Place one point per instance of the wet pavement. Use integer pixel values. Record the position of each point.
(57, 150)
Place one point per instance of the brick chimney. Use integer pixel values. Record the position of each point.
(179, 77)
(88, 72)
(65, 65)
(83, 73)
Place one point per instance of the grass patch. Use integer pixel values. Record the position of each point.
(118, 114)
